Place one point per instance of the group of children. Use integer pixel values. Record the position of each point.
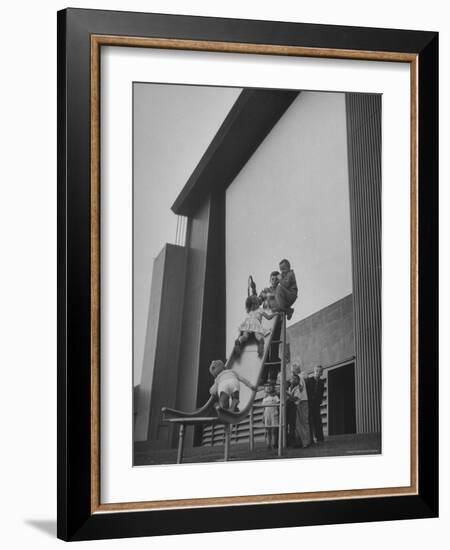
(278, 298)
(283, 294)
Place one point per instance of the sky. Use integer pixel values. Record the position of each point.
(172, 127)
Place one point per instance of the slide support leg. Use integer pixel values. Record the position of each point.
(251, 438)
(180, 444)
(226, 435)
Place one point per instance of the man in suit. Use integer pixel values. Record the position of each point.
(315, 387)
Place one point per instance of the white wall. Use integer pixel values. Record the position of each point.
(291, 200)
(28, 275)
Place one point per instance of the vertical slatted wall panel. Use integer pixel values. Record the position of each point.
(364, 158)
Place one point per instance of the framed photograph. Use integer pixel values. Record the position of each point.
(247, 274)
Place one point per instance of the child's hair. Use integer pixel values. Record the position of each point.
(296, 368)
(287, 262)
(215, 364)
(250, 302)
(274, 273)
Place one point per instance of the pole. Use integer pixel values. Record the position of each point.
(282, 413)
(251, 441)
(226, 434)
(285, 358)
(180, 444)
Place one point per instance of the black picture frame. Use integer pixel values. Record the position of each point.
(76, 520)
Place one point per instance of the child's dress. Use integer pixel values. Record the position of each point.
(252, 323)
(271, 413)
(227, 382)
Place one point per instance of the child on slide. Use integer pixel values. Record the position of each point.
(252, 326)
(227, 385)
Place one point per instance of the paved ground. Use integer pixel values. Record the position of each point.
(332, 446)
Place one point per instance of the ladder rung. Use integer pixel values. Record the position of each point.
(272, 363)
(276, 342)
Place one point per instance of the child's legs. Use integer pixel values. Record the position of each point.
(284, 298)
(272, 437)
(234, 400)
(274, 348)
(264, 375)
(224, 400)
(244, 337)
(290, 421)
(260, 342)
(273, 372)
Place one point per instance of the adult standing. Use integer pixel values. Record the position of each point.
(298, 398)
(315, 386)
(267, 298)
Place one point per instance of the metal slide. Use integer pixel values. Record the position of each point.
(250, 366)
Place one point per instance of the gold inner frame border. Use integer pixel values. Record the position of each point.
(97, 41)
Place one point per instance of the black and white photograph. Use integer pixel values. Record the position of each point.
(225, 241)
(257, 272)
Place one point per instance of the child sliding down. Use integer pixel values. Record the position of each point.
(252, 325)
(226, 385)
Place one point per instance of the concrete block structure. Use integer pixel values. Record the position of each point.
(160, 376)
(325, 337)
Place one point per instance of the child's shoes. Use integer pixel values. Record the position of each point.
(289, 313)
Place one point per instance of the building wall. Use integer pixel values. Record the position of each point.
(364, 159)
(145, 387)
(160, 374)
(324, 338)
(291, 200)
(213, 329)
(203, 334)
(196, 243)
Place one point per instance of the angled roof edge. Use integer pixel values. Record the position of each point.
(252, 117)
